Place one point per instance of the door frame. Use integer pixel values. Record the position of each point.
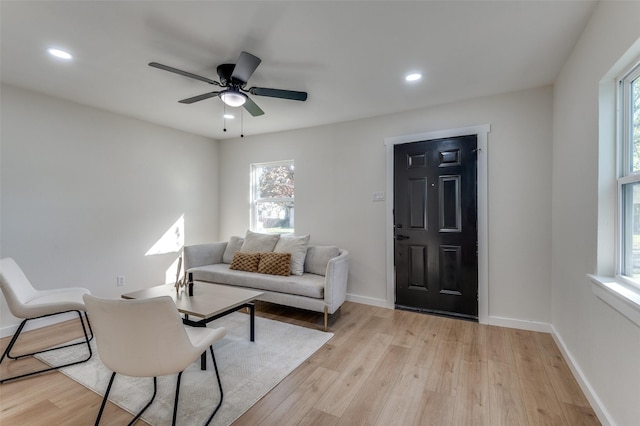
(482, 134)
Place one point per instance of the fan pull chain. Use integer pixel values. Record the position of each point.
(224, 117)
(241, 123)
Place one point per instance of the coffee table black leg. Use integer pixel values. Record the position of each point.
(252, 320)
(203, 357)
(203, 323)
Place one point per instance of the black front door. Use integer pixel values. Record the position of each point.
(435, 220)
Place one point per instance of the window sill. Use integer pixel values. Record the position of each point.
(619, 296)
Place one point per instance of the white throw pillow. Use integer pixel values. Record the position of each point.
(318, 257)
(234, 245)
(297, 246)
(259, 243)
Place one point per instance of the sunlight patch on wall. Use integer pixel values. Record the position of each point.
(172, 240)
(170, 274)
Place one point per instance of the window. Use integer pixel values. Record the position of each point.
(629, 173)
(619, 180)
(272, 197)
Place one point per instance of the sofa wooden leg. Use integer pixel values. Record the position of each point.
(326, 318)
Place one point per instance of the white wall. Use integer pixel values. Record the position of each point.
(604, 346)
(338, 167)
(86, 193)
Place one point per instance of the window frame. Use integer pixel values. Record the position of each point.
(255, 200)
(625, 173)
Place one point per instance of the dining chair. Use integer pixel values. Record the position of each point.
(27, 303)
(146, 338)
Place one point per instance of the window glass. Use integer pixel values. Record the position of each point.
(629, 176)
(634, 116)
(273, 197)
(631, 229)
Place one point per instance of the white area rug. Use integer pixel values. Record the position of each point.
(248, 371)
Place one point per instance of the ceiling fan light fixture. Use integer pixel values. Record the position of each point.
(413, 77)
(59, 53)
(233, 98)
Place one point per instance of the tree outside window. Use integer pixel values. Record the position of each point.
(272, 206)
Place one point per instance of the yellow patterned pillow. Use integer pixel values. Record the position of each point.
(275, 263)
(245, 261)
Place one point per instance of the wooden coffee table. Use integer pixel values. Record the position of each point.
(209, 302)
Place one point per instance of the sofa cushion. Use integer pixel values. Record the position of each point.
(275, 263)
(297, 246)
(307, 285)
(233, 246)
(259, 243)
(245, 261)
(318, 257)
(203, 254)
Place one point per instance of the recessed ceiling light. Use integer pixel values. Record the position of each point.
(413, 77)
(229, 116)
(59, 53)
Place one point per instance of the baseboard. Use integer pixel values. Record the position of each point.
(492, 320)
(520, 324)
(37, 323)
(587, 389)
(380, 303)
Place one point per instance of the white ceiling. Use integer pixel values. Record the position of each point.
(350, 56)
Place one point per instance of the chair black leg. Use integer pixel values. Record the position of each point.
(175, 403)
(155, 390)
(86, 317)
(87, 340)
(13, 341)
(215, 366)
(104, 400)
(106, 396)
(15, 337)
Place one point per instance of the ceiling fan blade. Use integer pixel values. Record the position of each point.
(253, 109)
(278, 93)
(245, 67)
(199, 98)
(184, 73)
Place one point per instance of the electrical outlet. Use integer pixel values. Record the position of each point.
(378, 196)
(120, 281)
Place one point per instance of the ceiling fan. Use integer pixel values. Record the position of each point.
(234, 78)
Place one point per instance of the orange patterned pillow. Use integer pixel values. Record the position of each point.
(275, 263)
(245, 261)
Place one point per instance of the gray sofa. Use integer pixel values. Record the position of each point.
(321, 287)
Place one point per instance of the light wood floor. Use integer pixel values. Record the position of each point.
(382, 367)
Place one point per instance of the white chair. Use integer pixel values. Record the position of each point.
(146, 338)
(27, 303)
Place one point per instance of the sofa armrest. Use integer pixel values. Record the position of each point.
(203, 254)
(335, 281)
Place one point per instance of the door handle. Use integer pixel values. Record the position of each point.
(402, 237)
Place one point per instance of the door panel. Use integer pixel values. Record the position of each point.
(450, 267)
(435, 219)
(450, 208)
(418, 203)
